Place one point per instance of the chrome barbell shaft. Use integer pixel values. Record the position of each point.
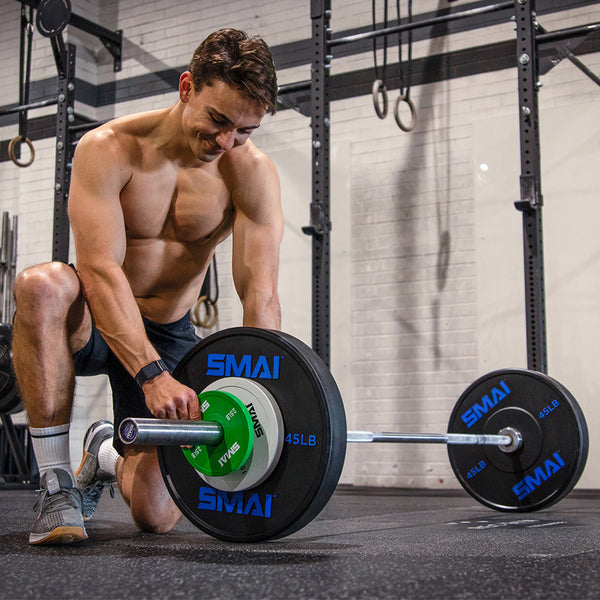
(473, 439)
(167, 432)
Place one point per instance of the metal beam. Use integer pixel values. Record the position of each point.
(531, 200)
(422, 23)
(320, 224)
(62, 176)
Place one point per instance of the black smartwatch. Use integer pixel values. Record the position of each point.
(149, 371)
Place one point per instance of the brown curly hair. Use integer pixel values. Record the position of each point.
(239, 60)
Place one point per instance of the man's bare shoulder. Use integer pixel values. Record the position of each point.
(121, 137)
(254, 183)
(246, 163)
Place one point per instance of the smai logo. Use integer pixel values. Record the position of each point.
(540, 474)
(473, 414)
(239, 502)
(248, 366)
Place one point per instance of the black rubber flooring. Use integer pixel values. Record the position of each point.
(364, 544)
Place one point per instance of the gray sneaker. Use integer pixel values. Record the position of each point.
(91, 480)
(59, 519)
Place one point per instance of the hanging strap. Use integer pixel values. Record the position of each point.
(379, 87)
(405, 81)
(26, 43)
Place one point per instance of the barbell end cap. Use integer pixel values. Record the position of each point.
(128, 431)
(515, 436)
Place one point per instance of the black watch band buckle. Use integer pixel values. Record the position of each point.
(149, 371)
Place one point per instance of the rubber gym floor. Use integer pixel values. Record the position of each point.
(364, 544)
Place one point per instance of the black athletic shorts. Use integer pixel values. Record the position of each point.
(171, 340)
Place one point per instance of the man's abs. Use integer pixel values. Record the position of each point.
(165, 277)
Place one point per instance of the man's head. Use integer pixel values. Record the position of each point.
(240, 61)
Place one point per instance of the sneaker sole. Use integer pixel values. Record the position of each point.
(98, 426)
(83, 459)
(60, 535)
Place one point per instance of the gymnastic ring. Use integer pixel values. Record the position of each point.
(413, 113)
(195, 312)
(11, 151)
(379, 86)
(210, 320)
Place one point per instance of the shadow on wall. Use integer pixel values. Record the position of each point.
(409, 203)
(437, 63)
(443, 173)
(160, 76)
(154, 65)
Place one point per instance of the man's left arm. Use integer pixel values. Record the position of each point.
(257, 234)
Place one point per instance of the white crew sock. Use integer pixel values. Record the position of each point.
(51, 448)
(107, 457)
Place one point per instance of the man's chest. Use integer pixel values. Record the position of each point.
(184, 205)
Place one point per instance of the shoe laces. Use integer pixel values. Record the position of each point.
(92, 492)
(54, 501)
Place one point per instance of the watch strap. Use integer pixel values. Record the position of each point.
(149, 371)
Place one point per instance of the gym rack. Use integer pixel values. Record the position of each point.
(531, 44)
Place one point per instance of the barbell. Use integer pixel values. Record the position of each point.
(270, 449)
(169, 432)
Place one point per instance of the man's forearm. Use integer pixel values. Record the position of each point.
(262, 311)
(117, 316)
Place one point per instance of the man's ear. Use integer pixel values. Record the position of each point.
(186, 86)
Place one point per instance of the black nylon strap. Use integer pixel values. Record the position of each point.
(149, 371)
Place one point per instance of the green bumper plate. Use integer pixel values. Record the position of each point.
(238, 435)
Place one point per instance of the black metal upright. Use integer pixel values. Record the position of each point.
(320, 224)
(64, 116)
(531, 200)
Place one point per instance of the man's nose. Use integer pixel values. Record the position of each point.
(226, 139)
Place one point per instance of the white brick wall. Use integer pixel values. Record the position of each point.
(414, 334)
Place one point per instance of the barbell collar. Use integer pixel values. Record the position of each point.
(167, 432)
(433, 438)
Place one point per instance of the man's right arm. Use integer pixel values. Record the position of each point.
(100, 171)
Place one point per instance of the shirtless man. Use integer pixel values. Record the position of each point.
(151, 196)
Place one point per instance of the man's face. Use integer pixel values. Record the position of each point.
(218, 118)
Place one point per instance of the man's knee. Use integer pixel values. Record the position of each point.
(143, 487)
(154, 519)
(48, 288)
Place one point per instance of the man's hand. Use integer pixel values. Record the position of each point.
(166, 398)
